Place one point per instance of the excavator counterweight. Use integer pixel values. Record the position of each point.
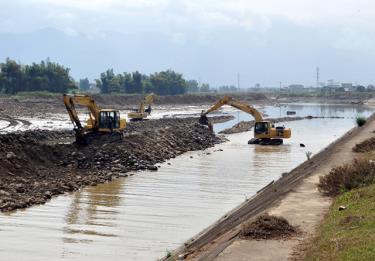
(265, 133)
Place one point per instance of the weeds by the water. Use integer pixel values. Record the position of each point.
(361, 121)
(349, 176)
(308, 154)
(168, 254)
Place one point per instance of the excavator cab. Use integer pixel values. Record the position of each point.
(109, 120)
(261, 127)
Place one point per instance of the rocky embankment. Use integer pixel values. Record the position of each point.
(37, 165)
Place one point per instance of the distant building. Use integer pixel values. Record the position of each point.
(347, 87)
(293, 88)
(333, 84)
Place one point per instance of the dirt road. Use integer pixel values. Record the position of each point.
(294, 196)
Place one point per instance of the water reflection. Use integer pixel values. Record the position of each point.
(96, 208)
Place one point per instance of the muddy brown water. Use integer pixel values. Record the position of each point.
(144, 216)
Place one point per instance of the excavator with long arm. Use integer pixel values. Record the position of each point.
(265, 133)
(100, 121)
(141, 113)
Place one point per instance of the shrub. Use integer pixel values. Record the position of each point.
(349, 176)
(361, 121)
(365, 146)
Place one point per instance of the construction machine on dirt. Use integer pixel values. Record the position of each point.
(265, 132)
(141, 113)
(103, 124)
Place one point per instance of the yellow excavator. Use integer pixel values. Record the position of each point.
(101, 121)
(142, 113)
(265, 133)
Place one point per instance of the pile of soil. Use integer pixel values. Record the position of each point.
(243, 126)
(365, 146)
(36, 165)
(268, 227)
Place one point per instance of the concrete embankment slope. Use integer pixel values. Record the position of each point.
(294, 196)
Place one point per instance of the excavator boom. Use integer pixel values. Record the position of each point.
(142, 113)
(83, 100)
(227, 100)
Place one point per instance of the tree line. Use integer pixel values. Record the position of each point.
(53, 77)
(43, 76)
(166, 82)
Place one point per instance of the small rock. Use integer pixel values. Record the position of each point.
(11, 155)
(153, 168)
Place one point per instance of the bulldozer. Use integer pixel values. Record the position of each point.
(141, 113)
(101, 122)
(265, 132)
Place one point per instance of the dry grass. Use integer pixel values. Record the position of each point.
(365, 146)
(349, 176)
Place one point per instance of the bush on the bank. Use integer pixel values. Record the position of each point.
(349, 176)
(361, 121)
(365, 146)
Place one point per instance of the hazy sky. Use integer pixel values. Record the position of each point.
(265, 41)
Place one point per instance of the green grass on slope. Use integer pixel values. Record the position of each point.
(347, 234)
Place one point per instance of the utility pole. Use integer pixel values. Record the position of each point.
(238, 81)
(317, 77)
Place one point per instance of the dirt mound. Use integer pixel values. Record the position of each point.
(243, 126)
(36, 165)
(268, 227)
(365, 146)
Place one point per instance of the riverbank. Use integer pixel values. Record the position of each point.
(294, 196)
(38, 104)
(37, 165)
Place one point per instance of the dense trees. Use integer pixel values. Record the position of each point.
(52, 77)
(166, 82)
(43, 76)
(84, 84)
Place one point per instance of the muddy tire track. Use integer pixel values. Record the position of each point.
(13, 123)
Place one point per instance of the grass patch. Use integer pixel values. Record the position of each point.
(349, 176)
(348, 234)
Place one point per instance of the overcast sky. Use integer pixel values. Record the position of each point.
(210, 40)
